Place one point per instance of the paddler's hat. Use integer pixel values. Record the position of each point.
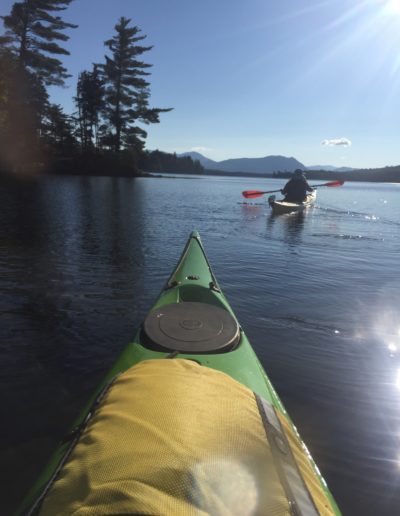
(298, 174)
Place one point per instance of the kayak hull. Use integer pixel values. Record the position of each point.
(192, 282)
(282, 207)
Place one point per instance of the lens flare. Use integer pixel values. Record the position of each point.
(224, 483)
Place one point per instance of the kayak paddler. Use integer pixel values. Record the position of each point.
(296, 188)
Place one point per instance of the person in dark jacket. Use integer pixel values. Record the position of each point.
(296, 188)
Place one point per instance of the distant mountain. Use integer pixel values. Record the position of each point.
(206, 162)
(330, 168)
(267, 164)
(260, 165)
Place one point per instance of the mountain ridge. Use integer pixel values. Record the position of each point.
(262, 165)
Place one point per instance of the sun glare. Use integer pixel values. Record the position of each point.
(393, 6)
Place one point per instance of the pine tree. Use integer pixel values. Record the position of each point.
(127, 90)
(57, 131)
(23, 100)
(6, 66)
(89, 101)
(33, 32)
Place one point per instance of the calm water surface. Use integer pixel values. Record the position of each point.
(82, 260)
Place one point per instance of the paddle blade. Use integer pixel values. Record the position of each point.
(335, 183)
(252, 194)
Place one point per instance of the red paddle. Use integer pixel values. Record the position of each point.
(252, 194)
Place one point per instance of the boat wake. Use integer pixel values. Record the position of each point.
(294, 322)
(358, 214)
(348, 237)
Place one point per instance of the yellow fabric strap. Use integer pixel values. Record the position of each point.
(171, 438)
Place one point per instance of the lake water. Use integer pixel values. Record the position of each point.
(82, 260)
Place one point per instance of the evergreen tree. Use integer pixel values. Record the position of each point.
(6, 65)
(126, 89)
(158, 161)
(57, 131)
(23, 100)
(89, 101)
(33, 32)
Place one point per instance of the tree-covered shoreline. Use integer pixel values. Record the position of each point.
(105, 135)
(372, 175)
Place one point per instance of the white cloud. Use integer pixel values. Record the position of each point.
(345, 142)
(200, 149)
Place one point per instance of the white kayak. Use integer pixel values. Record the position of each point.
(281, 207)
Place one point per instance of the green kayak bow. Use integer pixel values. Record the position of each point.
(184, 404)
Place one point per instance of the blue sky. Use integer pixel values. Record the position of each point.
(257, 77)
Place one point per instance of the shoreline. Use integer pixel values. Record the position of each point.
(367, 176)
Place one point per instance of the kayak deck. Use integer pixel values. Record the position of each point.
(194, 281)
(191, 284)
(282, 207)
